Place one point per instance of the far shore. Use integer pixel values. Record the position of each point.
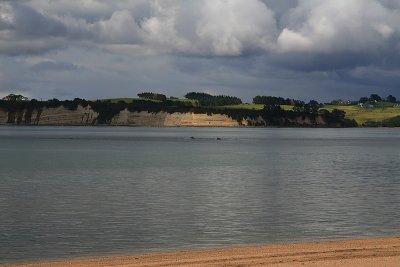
(373, 252)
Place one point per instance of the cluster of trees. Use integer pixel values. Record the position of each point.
(312, 107)
(375, 98)
(153, 96)
(203, 99)
(273, 100)
(299, 106)
(208, 100)
(15, 98)
(19, 103)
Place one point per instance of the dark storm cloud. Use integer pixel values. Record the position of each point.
(286, 47)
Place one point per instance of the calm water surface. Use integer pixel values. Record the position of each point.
(78, 192)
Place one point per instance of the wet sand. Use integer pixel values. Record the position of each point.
(374, 252)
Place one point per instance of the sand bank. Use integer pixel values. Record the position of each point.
(376, 252)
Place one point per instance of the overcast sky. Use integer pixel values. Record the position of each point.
(306, 49)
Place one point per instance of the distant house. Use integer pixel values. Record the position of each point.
(365, 105)
(341, 102)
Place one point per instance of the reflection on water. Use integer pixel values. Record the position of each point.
(73, 192)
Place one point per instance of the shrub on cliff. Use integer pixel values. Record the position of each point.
(392, 122)
(107, 110)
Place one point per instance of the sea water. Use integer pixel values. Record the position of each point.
(69, 192)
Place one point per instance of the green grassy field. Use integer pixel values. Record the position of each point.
(362, 115)
(286, 107)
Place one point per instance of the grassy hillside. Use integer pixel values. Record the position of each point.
(362, 115)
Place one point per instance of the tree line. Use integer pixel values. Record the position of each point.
(273, 100)
(375, 98)
(153, 96)
(213, 100)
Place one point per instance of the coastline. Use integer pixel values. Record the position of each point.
(85, 115)
(371, 252)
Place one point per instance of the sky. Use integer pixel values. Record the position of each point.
(303, 49)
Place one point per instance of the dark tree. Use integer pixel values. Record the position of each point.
(299, 107)
(363, 100)
(13, 97)
(272, 100)
(313, 106)
(212, 101)
(391, 99)
(153, 96)
(339, 113)
(375, 98)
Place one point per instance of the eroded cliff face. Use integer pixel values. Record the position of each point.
(164, 119)
(3, 116)
(50, 116)
(87, 116)
(63, 116)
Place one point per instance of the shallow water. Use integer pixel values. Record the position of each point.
(86, 191)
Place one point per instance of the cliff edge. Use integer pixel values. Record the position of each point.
(85, 116)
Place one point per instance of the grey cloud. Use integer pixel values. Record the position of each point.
(39, 46)
(210, 27)
(23, 30)
(22, 21)
(376, 76)
(286, 47)
(206, 27)
(55, 66)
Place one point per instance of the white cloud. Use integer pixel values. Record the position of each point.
(161, 27)
(291, 41)
(120, 28)
(338, 26)
(233, 27)
(210, 27)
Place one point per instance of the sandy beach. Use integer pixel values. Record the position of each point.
(374, 252)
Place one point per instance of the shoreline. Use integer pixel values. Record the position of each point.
(368, 252)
